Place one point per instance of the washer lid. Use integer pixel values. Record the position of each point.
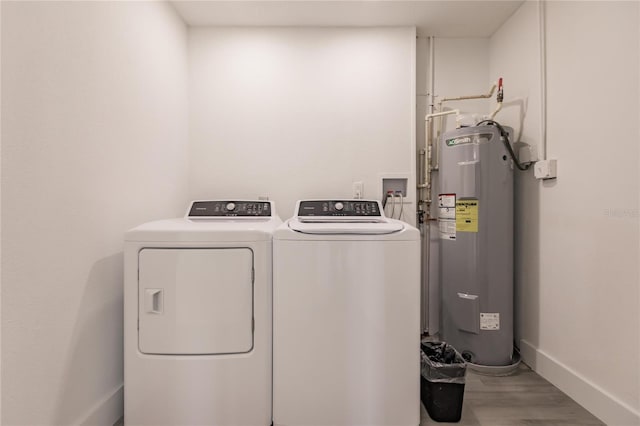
(345, 210)
(337, 226)
(363, 217)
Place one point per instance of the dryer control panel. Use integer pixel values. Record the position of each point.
(325, 208)
(229, 208)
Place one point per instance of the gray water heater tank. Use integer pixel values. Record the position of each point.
(475, 222)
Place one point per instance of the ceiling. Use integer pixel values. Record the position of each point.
(442, 18)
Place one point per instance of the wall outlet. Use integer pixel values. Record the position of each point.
(358, 190)
(545, 169)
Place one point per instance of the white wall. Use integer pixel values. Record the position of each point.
(94, 133)
(514, 54)
(295, 113)
(0, 216)
(577, 241)
(462, 69)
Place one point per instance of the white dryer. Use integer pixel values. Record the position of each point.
(198, 318)
(346, 317)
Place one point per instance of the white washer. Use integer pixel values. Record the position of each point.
(346, 317)
(197, 317)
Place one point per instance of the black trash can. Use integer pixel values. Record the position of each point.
(442, 381)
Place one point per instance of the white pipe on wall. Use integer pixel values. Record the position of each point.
(543, 77)
(425, 189)
(432, 71)
(440, 114)
(496, 111)
(464, 98)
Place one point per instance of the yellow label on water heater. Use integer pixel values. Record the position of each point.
(467, 215)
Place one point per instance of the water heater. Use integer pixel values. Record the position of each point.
(475, 221)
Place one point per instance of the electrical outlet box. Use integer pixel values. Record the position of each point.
(358, 190)
(545, 169)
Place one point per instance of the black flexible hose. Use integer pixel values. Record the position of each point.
(507, 143)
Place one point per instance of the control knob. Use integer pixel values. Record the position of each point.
(230, 207)
(339, 206)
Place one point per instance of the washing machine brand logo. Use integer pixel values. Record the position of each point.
(458, 141)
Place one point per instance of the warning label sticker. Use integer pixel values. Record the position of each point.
(446, 200)
(447, 229)
(447, 216)
(467, 215)
(489, 321)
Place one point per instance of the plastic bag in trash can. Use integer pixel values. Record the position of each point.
(441, 363)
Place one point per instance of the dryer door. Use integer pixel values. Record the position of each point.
(195, 301)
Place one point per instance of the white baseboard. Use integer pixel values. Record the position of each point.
(107, 411)
(599, 402)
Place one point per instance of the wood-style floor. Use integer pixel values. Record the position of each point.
(521, 399)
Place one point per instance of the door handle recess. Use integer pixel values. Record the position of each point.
(153, 300)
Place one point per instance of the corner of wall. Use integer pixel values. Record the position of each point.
(599, 402)
(0, 211)
(102, 412)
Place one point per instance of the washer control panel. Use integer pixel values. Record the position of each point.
(356, 208)
(229, 208)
